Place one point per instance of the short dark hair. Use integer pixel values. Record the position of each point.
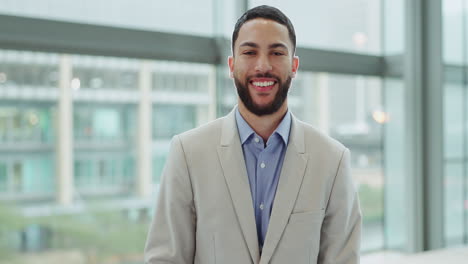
(266, 12)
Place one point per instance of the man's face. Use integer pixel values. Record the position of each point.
(263, 65)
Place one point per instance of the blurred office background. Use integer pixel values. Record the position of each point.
(91, 93)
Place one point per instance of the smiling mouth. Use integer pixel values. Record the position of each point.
(263, 86)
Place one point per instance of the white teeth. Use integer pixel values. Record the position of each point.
(263, 84)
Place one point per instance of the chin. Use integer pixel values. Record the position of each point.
(263, 105)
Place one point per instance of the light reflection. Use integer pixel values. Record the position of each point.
(3, 77)
(380, 116)
(33, 119)
(75, 84)
(360, 39)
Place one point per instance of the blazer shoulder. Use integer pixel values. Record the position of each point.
(315, 138)
(202, 136)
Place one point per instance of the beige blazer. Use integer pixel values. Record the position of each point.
(204, 212)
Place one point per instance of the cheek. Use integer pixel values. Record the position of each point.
(236, 73)
(244, 66)
(282, 67)
(239, 73)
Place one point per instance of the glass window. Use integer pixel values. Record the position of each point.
(396, 172)
(398, 177)
(393, 28)
(26, 124)
(38, 174)
(97, 73)
(453, 12)
(102, 124)
(181, 77)
(358, 28)
(17, 179)
(34, 70)
(165, 116)
(454, 204)
(83, 172)
(455, 190)
(192, 17)
(3, 177)
(453, 132)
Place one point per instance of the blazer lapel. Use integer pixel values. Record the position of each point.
(289, 184)
(233, 165)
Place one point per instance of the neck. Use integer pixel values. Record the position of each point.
(264, 125)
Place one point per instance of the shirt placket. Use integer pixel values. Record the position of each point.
(260, 176)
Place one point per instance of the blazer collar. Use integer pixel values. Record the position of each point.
(229, 129)
(232, 162)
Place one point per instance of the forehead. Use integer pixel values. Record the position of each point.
(263, 31)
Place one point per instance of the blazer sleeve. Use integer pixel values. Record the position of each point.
(341, 229)
(171, 238)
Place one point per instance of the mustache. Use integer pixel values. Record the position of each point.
(264, 75)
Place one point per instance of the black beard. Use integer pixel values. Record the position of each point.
(246, 98)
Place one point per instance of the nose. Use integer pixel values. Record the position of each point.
(263, 64)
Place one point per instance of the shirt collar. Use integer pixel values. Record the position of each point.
(245, 131)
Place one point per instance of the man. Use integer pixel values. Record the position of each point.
(258, 185)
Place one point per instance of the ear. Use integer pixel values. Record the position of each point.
(295, 66)
(231, 66)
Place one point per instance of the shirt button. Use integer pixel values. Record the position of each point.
(262, 165)
(257, 140)
(261, 206)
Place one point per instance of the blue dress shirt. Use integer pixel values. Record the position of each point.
(263, 163)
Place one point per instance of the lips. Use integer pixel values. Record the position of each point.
(263, 84)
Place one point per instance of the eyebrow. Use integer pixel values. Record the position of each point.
(249, 44)
(277, 45)
(271, 46)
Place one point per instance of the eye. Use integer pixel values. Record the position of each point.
(249, 52)
(278, 53)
